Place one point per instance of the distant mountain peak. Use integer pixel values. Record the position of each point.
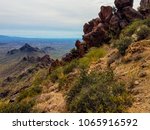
(28, 48)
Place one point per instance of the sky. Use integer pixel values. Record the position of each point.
(48, 18)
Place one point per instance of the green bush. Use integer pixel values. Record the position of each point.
(98, 92)
(123, 44)
(93, 55)
(143, 32)
(70, 66)
(56, 74)
(30, 92)
(147, 22)
(132, 28)
(17, 107)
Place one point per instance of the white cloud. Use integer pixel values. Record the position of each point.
(48, 15)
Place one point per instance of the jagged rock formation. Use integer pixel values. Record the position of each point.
(120, 4)
(110, 21)
(37, 64)
(145, 8)
(40, 61)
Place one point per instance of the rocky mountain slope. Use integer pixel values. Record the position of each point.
(107, 72)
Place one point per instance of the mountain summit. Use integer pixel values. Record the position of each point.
(28, 48)
(25, 49)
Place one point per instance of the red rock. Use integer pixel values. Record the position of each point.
(80, 48)
(78, 44)
(106, 13)
(88, 27)
(114, 23)
(120, 4)
(97, 36)
(131, 14)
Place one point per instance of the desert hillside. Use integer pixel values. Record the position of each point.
(108, 71)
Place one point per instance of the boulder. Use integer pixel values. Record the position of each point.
(106, 13)
(78, 44)
(97, 36)
(114, 24)
(88, 27)
(80, 48)
(145, 8)
(131, 14)
(120, 4)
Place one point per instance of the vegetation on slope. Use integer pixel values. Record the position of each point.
(84, 90)
(27, 98)
(98, 92)
(137, 30)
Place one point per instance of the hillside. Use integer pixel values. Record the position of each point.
(108, 71)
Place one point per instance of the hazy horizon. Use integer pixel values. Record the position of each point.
(48, 19)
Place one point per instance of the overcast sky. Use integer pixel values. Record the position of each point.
(48, 18)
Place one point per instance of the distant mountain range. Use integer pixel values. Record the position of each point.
(53, 46)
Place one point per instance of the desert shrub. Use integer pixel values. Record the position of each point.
(142, 32)
(93, 55)
(17, 107)
(35, 89)
(63, 81)
(40, 77)
(98, 92)
(56, 74)
(30, 92)
(123, 44)
(130, 29)
(147, 22)
(70, 66)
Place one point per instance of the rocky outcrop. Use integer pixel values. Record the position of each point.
(45, 60)
(106, 13)
(99, 30)
(80, 48)
(145, 8)
(114, 23)
(120, 4)
(131, 14)
(88, 27)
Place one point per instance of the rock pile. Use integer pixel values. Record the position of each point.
(110, 21)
